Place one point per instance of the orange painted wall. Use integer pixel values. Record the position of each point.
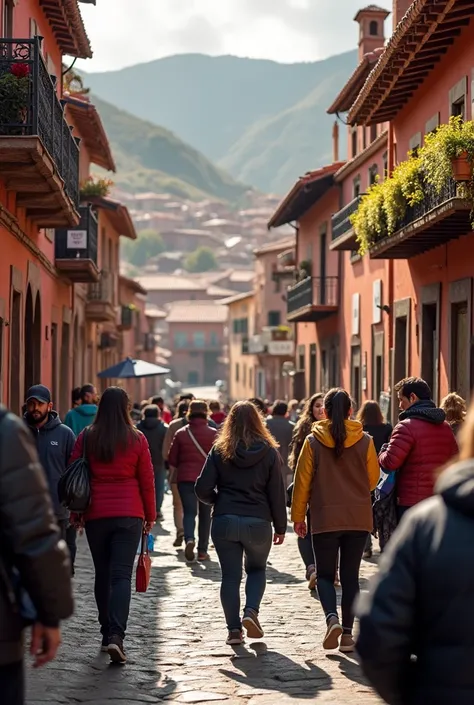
(453, 261)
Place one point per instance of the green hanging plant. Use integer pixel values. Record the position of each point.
(445, 145)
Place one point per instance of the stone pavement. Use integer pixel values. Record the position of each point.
(176, 642)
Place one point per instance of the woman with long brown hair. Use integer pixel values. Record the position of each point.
(313, 411)
(243, 481)
(122, 506)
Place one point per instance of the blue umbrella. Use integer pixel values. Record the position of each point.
(130, 369)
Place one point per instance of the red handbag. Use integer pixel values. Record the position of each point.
(143, 566)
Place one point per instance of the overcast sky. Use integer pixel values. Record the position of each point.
(126, 32)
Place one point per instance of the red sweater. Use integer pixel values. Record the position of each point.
(123, 488)
(184, 455)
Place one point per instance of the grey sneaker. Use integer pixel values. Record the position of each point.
(116, 650)
(252, 625)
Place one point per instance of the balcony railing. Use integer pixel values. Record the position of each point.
(29, 106)
(313, 298)
(440, 217)
(126, 317)
(342, 237)
(102, 290)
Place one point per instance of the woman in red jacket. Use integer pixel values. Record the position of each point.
(187, 456)
(122, 506)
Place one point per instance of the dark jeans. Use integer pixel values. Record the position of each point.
(350, 546)
(234, 538)
(68, 534)
(190, 511)
(113, 543)
(401, 511)
(12, 684)
(159, 488)
(305, 546)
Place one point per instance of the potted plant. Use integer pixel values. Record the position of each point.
(305, 269)
(95, 187)
(449, 152)
(14, 94)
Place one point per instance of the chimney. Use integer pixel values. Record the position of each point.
(400, 8)
(335, 142)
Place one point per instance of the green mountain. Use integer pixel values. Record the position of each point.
(151, 158)
(263, 121)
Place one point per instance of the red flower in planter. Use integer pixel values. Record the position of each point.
(20, 70)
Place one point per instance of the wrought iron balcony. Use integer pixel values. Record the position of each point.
(440, 217)
(100, 299)
(149, 342)
(75, 250)
(126, 318)
(313, 299)
(39, 157)
(343, 236)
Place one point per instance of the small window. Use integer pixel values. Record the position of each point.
(459, 108)
(7, 24)
(354, 142)
(374, 29)
(385, 164)
(274, 318)
(364, 138)
(213, 339)
(277, 281)
(199, 339)
(251, 377)
(357, 187)
(373, 133)
(373, 173)
(180, 340)
(244, 374)
(301, 356)
(237, 371)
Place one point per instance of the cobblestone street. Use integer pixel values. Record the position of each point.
(176, 638)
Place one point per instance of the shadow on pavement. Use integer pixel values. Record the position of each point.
(270, 670)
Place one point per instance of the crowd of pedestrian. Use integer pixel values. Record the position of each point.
(234, 472)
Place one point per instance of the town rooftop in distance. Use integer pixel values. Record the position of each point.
(304, 194)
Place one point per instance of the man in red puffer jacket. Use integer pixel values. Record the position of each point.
(421, 443)
(188, 453)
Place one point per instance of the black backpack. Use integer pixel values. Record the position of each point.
(74, 487)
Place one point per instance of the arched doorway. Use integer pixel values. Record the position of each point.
(37, 347)
(29, 371)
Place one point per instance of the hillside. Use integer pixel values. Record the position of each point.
(151, 158)
(263, 121)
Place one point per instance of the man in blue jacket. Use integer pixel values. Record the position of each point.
(54, 442)
(83, 415)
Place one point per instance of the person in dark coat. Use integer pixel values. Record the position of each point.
(29, 543)
(417, 622)
(54, 442)
(421, 442)
(154, 430)
(282, 430)
(242, 481)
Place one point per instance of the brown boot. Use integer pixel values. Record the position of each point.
(333, 632)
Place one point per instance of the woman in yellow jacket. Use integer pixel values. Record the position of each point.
(336, 471)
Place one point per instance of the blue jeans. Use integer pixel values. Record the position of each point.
(159, 488)
(113, 543)
(190, 511)
(236, 537)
